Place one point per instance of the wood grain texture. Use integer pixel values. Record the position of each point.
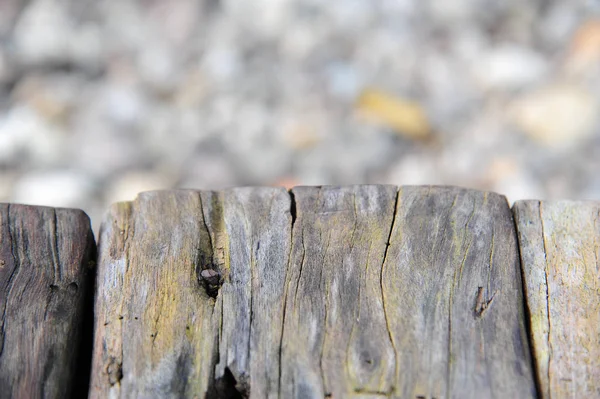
(257, 227)
(324, 292)
(335, 341)
(159, 331)
(559, 255)
(154, 334)
(453, 299)
(45, 271)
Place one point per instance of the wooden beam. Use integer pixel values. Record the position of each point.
(45, 262)
(559, 255)
(361, 291)
(452, 290)
(154, 329)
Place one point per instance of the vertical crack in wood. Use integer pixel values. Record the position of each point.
(55, 253)
(206, 276)
(385, 312)
(491, 262)
(11, 278)
(527, 310)
(83, 362)
(287, 285)
(292, 206)
(546, 273)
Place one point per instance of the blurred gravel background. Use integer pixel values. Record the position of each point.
(102, 99)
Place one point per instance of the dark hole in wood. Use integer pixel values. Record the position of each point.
(227, 387)
(211, 280)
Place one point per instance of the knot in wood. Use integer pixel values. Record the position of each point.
(211, 276)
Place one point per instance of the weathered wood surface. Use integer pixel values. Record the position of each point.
(154, 331)
(452, 290)
(559, 244)
(45, 268)
(336, 292)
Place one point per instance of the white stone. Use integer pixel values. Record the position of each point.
(221, 62)
(415, 169)
(42, 33)
(59, 188)
(509, 67)
(556, 115)
(24, 133)
(126, 187)
(344, 81)
(123, 104)
(156, 65)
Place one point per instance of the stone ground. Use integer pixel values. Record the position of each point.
(102, 99)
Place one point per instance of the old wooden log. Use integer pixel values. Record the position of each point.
(361, 291)
(559, 244)
(45, 261)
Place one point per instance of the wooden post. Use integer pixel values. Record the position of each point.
(45, 261)
(559, 255)
(362, 291)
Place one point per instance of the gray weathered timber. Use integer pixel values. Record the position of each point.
(452, 293)
(559, 256)
(154, 334)
(159, 331)
(335, 340)
(45, 268)
(257, 224)
(324, 292)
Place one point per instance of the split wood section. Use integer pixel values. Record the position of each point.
(560, 255)
(46, 259)
(332, 292)
(323, 292)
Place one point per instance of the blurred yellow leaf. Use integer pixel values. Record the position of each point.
(404, 116)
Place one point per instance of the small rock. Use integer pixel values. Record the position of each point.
(25, 136)
(54, 188)
(42, 33)
(509, 67)
(52, 96)
(123, 104)
(221, 62)
(415, 169)
(558, 115)
(208, 172)
(505, 175)
(127, 186)
(343, 81)
(558, 23)
(157, 67)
